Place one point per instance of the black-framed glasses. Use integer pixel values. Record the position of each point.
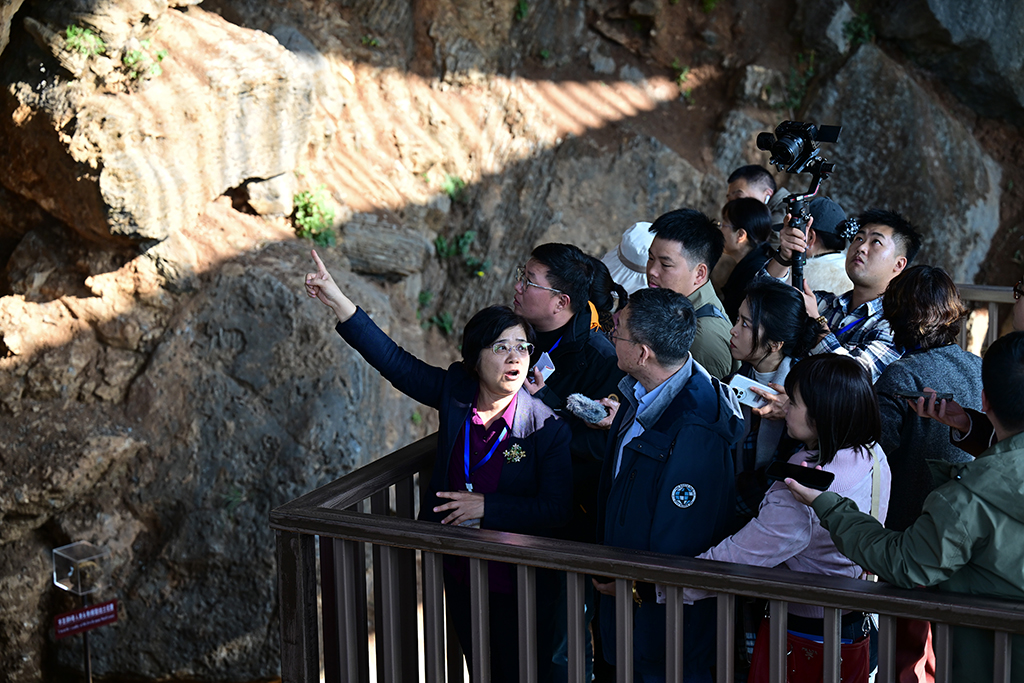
(625, 339)
(519, 348)
(1018, 289)
(521, 277)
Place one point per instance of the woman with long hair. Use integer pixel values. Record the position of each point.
(772, 332)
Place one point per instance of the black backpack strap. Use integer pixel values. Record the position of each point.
(711, 311)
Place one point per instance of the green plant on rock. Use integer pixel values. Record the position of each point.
(314, 216)
(233, 499)
(442, 321)
(859, 30)
(83, 41)
(454, 187)
(682, 72)
(477, 267)
(423, 301)
(370, 41)
(143, 63)
(708, 5)
(458, 247)
(799, 79)
(522, 10)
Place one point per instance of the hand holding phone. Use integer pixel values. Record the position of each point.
(914, 395)
(808, 476)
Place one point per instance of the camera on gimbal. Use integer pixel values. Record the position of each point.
(794, 148)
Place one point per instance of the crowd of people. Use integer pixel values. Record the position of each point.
(600, 407)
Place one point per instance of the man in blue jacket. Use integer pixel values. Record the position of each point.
(667, 483)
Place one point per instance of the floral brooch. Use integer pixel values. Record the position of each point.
(515, 454)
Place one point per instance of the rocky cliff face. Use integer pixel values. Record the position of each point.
(164, 382)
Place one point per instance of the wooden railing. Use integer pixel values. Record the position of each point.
(993, 296)
(337, 515)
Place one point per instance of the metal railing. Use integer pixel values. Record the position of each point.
(985, 294)
(340, 628)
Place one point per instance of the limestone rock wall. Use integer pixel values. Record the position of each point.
(140, 160)
(892, 128)
(164, 381)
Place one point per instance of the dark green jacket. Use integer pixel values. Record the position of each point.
(968, 539)
(710, 345)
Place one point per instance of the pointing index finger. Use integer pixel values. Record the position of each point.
(319, 264)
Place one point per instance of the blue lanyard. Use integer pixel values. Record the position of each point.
(555, 346)
(501, 437)
(851, 326)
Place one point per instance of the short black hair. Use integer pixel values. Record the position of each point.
(779, 310)
(1002, 378)
(841, 402)
(750, 215)
(569, 270)
(756, 175)
(698, 236)
(905, 235)
(485, 328)
(664, 321)
(923, 307)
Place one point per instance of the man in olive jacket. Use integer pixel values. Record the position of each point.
(970, 535)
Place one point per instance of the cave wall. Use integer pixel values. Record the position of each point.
(165, 382)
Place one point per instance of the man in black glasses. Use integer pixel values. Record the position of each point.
(561, 291)
(667, 483)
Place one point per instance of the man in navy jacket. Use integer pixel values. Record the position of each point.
(667, 483)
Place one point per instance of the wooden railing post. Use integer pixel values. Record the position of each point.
(623, 631)
(726, 644)
(526, 596)
(779, 647)
(296, 591)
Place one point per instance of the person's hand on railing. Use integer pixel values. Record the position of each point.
(465, 506)
(949, 413)
(605, 588)
(320, 285)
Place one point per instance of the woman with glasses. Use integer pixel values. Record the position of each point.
(502, 456)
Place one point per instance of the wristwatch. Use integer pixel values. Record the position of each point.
(777, 255)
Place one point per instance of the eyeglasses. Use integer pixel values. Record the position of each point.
(505, 348)
(631, 341)
(521, 277)
(1018, 289)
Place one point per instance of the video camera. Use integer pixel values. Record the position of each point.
(794, 148)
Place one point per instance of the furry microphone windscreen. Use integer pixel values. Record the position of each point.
(586, 409)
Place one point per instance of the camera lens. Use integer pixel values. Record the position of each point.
(765, 141)
(787, 149)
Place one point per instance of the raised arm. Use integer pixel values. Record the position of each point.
(414, 378)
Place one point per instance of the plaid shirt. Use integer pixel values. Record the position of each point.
(861, 334)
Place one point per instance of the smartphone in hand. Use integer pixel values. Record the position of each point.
(914, 395)
(808, 476)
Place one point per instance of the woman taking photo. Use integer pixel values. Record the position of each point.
(772, 330)
(834, 413)
(502, 456)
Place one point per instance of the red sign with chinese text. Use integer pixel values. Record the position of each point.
(85, 619)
